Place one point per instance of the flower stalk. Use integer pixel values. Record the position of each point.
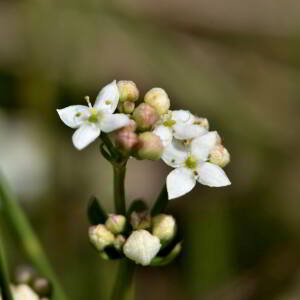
(28, 238)
(4, 277)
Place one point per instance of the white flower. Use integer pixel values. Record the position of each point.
(180, 124)
(141, 247)
(24, 292)
(191, 166)
(90, 121)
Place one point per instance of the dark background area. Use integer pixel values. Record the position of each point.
(235, 62)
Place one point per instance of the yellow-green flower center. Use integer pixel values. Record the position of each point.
(94, 116)
(169, 123)
(191, 162)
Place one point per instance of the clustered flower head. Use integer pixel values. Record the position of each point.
(148, 129)
(140, 238)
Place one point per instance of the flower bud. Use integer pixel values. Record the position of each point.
(42, 286)
(128, 107)
(128, 91)
(149, 146)
(145, 116)
(164, 227)
(23, 291)
(219, 156)
(115, 223)
(126, 139)
(141, 247)
(140, 220)
(119, 242)
(24, 275)
(158, 99)
(100, 237)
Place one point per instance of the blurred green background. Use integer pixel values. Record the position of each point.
(235, 62)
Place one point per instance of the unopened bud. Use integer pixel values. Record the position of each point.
(115, 223)
(140, 220)
(145, 116)
(219, 156)
(149, 146)
(202, 122)
(23, 291)
(24, 274)
(126, 139)
(141, 247)
(128, 91)
(158, 99)
(42, 286)
(100, 237)
(119, 242)
(128, 107)
(164, 227)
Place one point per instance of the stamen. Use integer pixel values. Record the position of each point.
(87, 99)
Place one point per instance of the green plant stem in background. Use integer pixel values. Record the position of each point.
(161, 202)
(4, 277)
(122, 288)
(119, 187)
(29, 240)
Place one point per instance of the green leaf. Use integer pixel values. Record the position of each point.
(138, 206)
(95, 212)
(162, 261)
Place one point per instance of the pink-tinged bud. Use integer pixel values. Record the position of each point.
(219, 156)
(158, 99)
(115, 223)
(149, 146)
(145, 116)
(128, 91)
(126, 139)
(128, 107)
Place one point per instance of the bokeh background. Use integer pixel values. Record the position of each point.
(235, 62)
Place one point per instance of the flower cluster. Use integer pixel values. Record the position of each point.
(148, 129)
(23, 291)
(140, 238)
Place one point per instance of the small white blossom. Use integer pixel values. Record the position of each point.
(190, 163)
(91, 120)
(24, 292)
(141, 247)
(180, 124)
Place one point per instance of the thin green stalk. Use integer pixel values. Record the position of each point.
(119, 187)
(28, 238)
(161, 202)
(123, 285)
(4, 277)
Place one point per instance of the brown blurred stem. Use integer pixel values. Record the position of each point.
(124, 280)
(27, 237)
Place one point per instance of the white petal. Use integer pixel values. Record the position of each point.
(175, 154)
(113, 122)
(165, 134)
(183, 116)
(188, 131)
(179, 182)
(212, 175)
(73, 115)
(108, 98)
(202, 146)
(84, 135)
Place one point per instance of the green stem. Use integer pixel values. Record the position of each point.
(161, 202)
(119, 187)
(113, 152)
(123, 284)
(28, 238)
(4, 277)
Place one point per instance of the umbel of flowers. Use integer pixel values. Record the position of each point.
(145, 128)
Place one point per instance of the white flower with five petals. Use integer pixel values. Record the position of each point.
(180, 124)
(91, 120)
(190, 163)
